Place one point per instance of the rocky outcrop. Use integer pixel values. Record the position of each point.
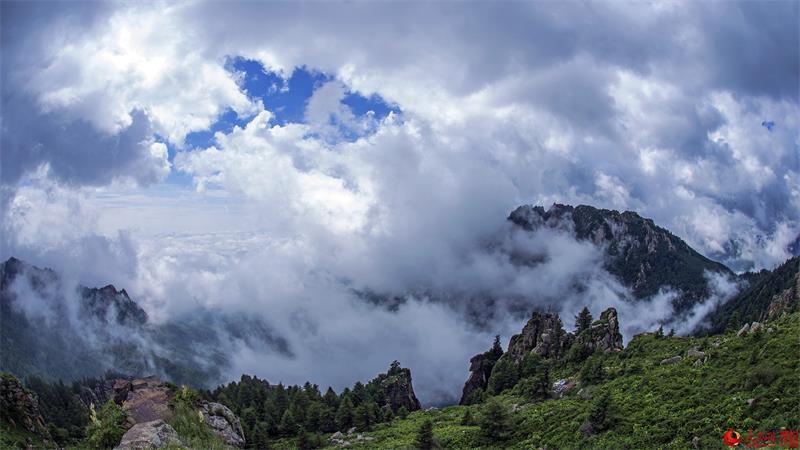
(398, 391)
(480, 368)
(604, 333)
(151, 435)
(148, 403)
(786, 301)
(19, 407)
(146, 399)
(112, 306)
(394, 389)
(670, 361)
(223, 422)
(543, 334)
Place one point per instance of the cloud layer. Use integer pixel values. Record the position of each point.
(656, 108)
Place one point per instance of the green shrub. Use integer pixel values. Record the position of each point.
(592, 371)
(188, 422)
(105, 428)
(763, 375)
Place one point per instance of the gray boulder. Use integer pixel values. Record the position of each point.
(673, 360)
(694, 353)
(149, 436)
(755, 327)
(223, 422)
(742, 331)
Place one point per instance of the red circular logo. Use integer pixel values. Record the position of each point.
(731, 438)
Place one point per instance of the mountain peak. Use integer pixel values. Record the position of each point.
(642, 255)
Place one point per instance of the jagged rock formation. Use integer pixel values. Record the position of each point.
(480, 368)
(19, 407)
(603, 334)
(642, 255)
(544, 336)
(151, 435)
(396, 389)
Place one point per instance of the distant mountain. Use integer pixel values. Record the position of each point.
(642, 255)
(65, 332)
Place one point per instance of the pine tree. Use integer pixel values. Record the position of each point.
(583, 321)
(289, 425)
(424, 439)
(599, 412)
(259, 437)
(494, 421)
(327, 420)
(312, 422)
(344, 415)
(497, 350)
(330, 398)
(504, 376)
(592, 371)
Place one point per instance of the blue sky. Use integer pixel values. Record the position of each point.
(285, 98)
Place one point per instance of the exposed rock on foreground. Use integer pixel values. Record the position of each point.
(149, 436)
(147, 402)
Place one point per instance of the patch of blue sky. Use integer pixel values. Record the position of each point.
(286, 98)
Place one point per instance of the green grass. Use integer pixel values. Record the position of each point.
(652, 406)
(17, 437)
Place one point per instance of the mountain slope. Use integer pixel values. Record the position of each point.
(642, 255)
(638, 400)
(766, 294)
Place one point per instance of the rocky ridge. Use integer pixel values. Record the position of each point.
(544, 336)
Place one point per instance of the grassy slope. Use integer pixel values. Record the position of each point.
(652, 406)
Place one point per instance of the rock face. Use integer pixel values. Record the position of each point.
(223, 422)
(543, 335)
(151, 435)
(604, 333)
(398, 391)
(146, 399)
(480, 368)
(19, 407)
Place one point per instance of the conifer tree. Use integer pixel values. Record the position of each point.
(344, 415)
(424, 438)
(583, 321)
(494, 421)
